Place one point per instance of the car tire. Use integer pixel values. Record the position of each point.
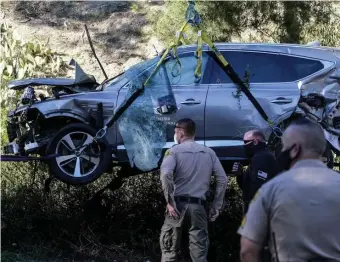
(81, 167)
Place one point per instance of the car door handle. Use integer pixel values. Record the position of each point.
(190, 101)
(282, 100)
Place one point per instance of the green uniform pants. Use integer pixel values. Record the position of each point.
(194, 218)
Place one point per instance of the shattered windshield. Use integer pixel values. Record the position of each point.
(144, 135)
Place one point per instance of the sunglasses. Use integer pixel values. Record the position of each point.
(248, 141)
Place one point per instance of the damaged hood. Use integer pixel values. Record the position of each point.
(22, 84)
(81, 82)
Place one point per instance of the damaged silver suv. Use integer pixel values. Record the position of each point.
(287, 80)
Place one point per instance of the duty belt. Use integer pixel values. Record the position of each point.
(188, 199)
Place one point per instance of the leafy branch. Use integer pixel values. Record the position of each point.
(23, 60)
(246, 79)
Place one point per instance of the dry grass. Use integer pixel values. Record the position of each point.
(120, 34)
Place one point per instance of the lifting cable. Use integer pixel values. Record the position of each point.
(193, 19)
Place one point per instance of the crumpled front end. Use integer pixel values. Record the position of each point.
(21, 126)
(30, 127)
(326, 84)
(320, 99)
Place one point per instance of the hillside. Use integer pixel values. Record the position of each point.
(119, 30)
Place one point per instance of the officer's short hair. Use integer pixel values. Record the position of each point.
(258, 134)
(188, 126)
(311, 134)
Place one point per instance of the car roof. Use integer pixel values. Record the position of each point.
(310, 50)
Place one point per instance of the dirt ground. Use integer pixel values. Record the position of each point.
(120, 30)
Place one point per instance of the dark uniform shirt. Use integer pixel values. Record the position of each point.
(300, 212)
(262, 167)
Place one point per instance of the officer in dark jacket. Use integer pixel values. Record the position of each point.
(262, 166)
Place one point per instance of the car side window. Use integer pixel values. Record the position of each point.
(184, 75)
(265, 67)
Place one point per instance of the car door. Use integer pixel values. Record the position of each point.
(272, 81)
(190, 96)
(190, 99)
(221, 115)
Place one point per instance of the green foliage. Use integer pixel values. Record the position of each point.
(126, 223)
(275, 21)
(327, 33)
(21, 60)
(254, 21)
(219, 27)
(135, 7)
(4, 138)
(115, 225)
(238, 93)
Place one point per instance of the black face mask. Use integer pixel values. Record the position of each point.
(250, 148)
(284, 160)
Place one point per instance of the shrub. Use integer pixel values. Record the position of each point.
(121, 224)
(20, 60)
(258, 21)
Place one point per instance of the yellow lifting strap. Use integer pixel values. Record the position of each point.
(192, 18)
(207, 40)
(180, 38)
(203, 37)
(198, 69)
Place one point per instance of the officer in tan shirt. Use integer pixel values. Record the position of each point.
(185, 175)
(299, 210)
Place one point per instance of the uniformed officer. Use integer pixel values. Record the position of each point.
(262, 166)
(299, 209)
(185, 175)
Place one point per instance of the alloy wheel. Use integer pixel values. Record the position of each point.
(75, 159)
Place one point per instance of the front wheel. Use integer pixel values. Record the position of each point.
(77, 165)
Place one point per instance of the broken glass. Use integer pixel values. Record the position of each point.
(144, 135)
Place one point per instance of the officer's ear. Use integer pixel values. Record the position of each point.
(295, 151)
(255, 141)
(181, 132)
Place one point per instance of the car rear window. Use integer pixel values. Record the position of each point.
(266, 68)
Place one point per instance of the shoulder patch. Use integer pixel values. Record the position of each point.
(244, 220)
(167, 153)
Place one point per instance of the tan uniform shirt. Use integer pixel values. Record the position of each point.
(187, 169)
(302, 208)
